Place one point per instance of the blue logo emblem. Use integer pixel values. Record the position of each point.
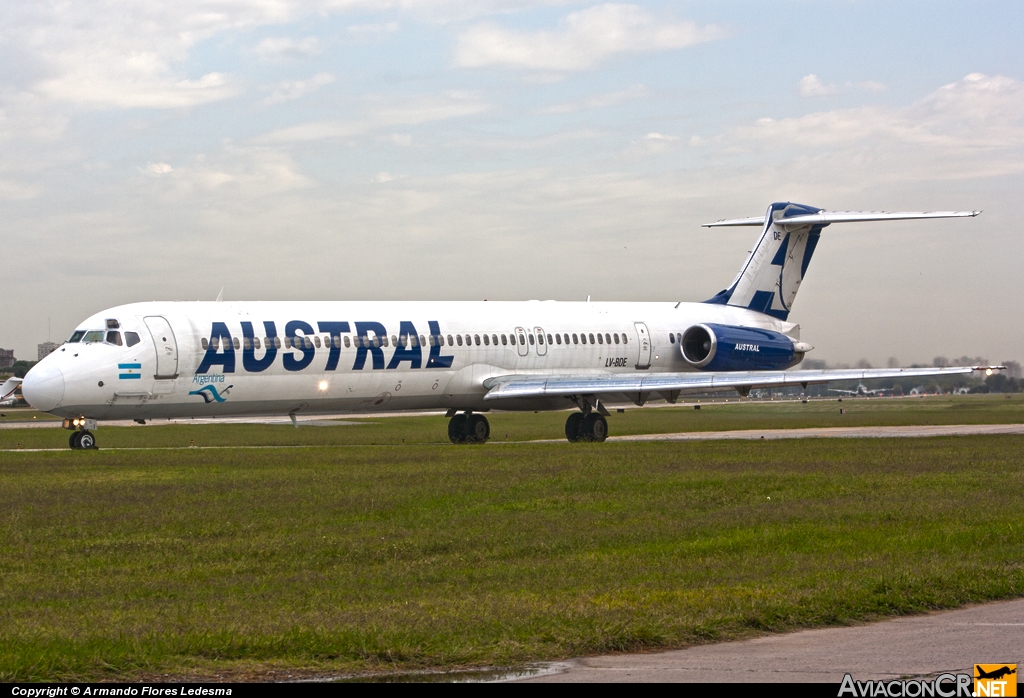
(129, 371)
(210, 394)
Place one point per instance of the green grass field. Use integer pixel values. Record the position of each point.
(255, 562)
(716, 416)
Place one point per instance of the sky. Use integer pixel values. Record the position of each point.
(469, 150)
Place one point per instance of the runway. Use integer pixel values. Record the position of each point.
(917, 646)
(880, 432)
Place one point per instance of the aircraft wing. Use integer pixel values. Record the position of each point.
(638, 387)
(826, 217)
(8, 388)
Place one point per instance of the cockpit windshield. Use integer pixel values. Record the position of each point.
(93, 336)
(76, 336)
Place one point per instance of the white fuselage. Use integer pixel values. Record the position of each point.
(202, 359)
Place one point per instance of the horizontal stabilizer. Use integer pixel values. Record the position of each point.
(611, 387)
(826, 217)
(8, 388)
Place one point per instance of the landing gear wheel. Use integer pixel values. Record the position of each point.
(75, 439)
(574, 426)
(479, 429)
(86, 440)
(457, 429)
(595, 427)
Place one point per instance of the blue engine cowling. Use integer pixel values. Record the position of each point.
(728, 348)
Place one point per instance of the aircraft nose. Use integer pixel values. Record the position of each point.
(43, 387)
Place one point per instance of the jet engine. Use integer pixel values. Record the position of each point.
(713, 347)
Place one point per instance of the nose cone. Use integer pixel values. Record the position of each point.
(43, 387)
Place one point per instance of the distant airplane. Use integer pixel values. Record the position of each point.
(861, 391)
(165, 360)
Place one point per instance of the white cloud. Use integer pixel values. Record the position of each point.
(654, 136)
(158, 168)
(284, 91)
(585, 39)
(408, 114)
(871, 86)
(609, 99)
(812, 86)
(364, 31)
(276, 48)
(970, 128)
(402, 139)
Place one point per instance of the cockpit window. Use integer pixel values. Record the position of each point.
(93, 336)
(131, 338)
(77, 336)
(114, 337)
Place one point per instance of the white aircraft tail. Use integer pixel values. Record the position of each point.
(771, 275)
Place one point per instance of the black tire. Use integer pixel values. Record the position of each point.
(86, 440)
(478, 428)
(595, 427)
(573, 426)
(457, 429)
(73, 440)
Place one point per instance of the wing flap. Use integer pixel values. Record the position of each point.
(533, 386)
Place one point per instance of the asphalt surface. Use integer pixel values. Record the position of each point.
(917, 646)
(832, 433)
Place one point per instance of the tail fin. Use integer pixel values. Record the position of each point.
(771, 275)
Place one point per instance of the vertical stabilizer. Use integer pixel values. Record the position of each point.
(771, 275)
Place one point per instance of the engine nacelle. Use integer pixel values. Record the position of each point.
(728, 348)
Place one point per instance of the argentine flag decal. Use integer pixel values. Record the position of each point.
(129, 371)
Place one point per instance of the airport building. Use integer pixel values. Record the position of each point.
(6, 358)
(45, 349)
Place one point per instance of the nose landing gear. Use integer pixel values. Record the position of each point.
(469, 428)
(82, 438)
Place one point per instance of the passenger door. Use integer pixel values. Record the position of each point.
(166, 346)
(644, 340)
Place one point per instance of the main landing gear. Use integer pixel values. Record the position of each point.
(469, 428)
(81, 437)
(588, 425)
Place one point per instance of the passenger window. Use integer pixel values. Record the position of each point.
(114, 337)
(459, 337)
(277, 342)
(487, 341)
(583, 338)
(540, 338)
(237, 343)
(671, 338)
(132, 338)
(450, 342)
(531, 338)
(624, 339)
(600, 339)
(477, 339)
(76, 336)
(256, 343)
(394, 339)
(616, 337)
(469, 341)
(246, 344)
(558, 338)
(504, 339)
(607, 338)
(346, 341)
(206, 345)
(591, 337)
(575, 339)
(549, 338)
(316, 341)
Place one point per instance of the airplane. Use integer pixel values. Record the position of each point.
(861, 391)
(158, 360)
